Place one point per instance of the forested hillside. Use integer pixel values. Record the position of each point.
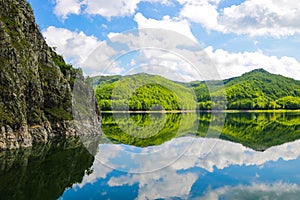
(257, 89)
(143, 92)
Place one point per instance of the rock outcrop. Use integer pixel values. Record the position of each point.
(35, 82)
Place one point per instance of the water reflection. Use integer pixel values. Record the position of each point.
(198, 174)
(144, 130)
(44, 171)
(257, 167)
(256, 157)
(254, 191)
(258, 131)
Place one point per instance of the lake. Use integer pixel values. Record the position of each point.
(164, 156)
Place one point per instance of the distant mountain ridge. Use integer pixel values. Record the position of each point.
(258, 89)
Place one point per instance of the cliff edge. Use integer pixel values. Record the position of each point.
(35, 82)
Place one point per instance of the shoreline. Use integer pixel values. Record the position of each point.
(199, 111)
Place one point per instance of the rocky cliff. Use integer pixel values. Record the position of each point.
(35, 82)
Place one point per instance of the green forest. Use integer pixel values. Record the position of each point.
(255, 90)
(142, 92)
(258, 131)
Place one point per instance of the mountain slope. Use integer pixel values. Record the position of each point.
(257, 89)
(143, 92)
(35, 82)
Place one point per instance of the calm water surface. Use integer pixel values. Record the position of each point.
(164, 156)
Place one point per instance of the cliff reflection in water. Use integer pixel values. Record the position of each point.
(43, 171)
(65, 168)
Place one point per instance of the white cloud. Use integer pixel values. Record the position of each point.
(265, 191)
(173, 24)
(107, 9)
(199, 152)
(166, 58)
(208, 154)
(203, 11)
(74, 46)
(115, 69)
(172, 52)
(235, 64)
(81, 50)
(96, 57)
(65, 7)
(164, 184)
(252, 17)
(169, 60)
(158, 50)
(100, 171)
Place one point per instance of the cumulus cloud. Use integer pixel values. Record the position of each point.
(205, 153)
(235, 64)
(254, 17)
(74, 46)
(107, 9)
(116, 8)
(228, 64)
(160, 51)
(203, 12)
(251, 17)
(164, 184)
(81, 50)
(166, 47)
(265, 191)
(63, 8)
(103, 57)
(172, 24)
(164, 55)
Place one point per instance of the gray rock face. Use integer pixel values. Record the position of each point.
(35, 83)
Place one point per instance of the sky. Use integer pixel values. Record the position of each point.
(236, 36)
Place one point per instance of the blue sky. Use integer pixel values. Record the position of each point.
(237, 35)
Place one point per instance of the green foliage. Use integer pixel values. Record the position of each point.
(58, 113)
(13, 27)
(29, 80)
(141, 130)
(147, 129)
(258, 89)
(96, 80)
(143, 92)
(59, 61)
(289, 102)
(258, 131)
(147, 96)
